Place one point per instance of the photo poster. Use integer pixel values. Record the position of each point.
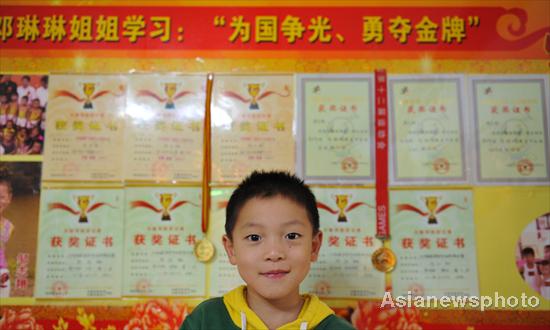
(223, 275)
(19, 227)
(427, 129)
(85, 128)
(80, 243)
(433, 237)
(335, 135)
(344, 268)
(23, 104)
(164, 131)
(512, 129)
(252, 125)
(162, 225)
(533, 255)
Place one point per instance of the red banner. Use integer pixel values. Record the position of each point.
(381, 154)
(393, 29)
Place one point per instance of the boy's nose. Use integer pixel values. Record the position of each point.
(275, 250)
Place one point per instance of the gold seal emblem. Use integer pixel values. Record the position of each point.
(384, 260)
(204, 250)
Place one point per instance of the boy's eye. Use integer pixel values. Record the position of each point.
(253, 238)
(293, 236)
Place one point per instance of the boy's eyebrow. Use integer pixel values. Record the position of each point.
(288, 223)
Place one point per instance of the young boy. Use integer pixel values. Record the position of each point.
(272, 236)
(529, 269)
(22, 113)
(544, 285)
(35, 114)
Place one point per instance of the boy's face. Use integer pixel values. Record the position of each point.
(545, 269)
(273, 245)
(547, 253)
(5, 197)
(529, 258)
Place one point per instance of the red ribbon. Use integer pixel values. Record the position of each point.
(409, 207)
(148, 93)
(267, 93)
(97, 205)
(144, 204)
(61, 206)
(381, 154)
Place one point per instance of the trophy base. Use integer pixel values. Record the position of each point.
(166, 218)
(342, 218)
(254, 106)
(83, 220)
(88, 105)
(432, 221)
(169, 106)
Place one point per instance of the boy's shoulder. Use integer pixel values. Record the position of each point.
(209, 314)
(213, 314)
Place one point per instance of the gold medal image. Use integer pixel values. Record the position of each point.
(204, 250)
(384, 260)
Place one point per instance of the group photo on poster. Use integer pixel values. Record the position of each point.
(23, 102)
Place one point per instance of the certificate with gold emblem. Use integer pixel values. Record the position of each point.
(511, 129)
(162, 228)
(427, 129)
(335, 140)
(80, 243)
(252, 123)
(344, 267)
(223, 275)
(164, 127)
(85, 128)
(433, 238)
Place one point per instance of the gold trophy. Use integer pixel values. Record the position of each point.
(88, 89)
(170, 90)
(431, 204)
(254, 90)
(342, 202)
(83, 202)
(166, 201)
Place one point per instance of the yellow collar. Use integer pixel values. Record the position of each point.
(313, 312)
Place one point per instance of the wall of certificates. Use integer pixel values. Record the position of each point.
(120, 208)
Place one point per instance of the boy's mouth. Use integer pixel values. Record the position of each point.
(275, 274)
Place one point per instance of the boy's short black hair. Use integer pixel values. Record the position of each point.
(5, 179)
(527, 251)
(262, 184)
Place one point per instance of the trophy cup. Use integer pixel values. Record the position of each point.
(88, 89)
(254, 90)
(431, 204)
(170, 90)
(342, 202)
(83, 202)
(166, 201)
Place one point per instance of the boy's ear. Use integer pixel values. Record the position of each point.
(229, 249)
(316, 245)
